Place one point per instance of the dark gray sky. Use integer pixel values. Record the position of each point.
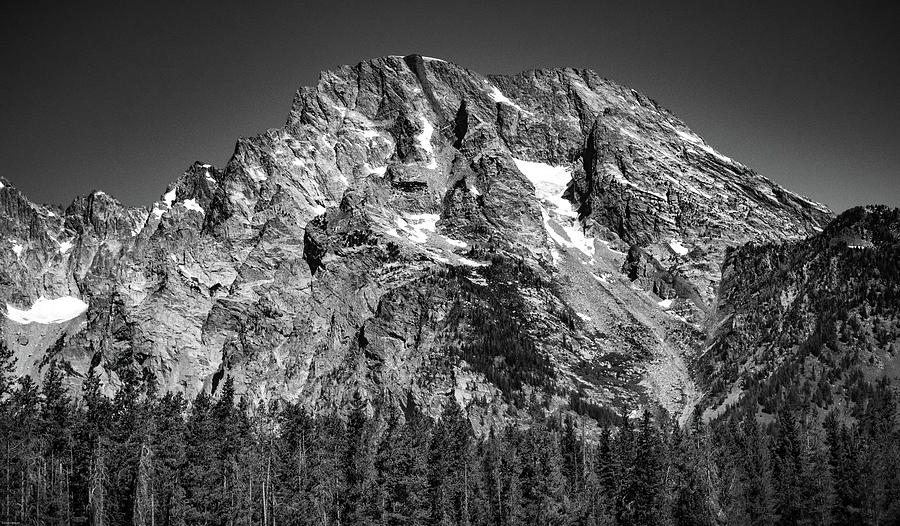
(124, 98)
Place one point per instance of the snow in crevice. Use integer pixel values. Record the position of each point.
(424, 139)
(499, 97)
(560, 217)
(46, 311)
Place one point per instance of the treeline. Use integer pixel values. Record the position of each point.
(143, 459)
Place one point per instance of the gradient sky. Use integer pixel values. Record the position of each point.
(123, 98)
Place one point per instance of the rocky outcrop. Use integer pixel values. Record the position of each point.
(368, 247)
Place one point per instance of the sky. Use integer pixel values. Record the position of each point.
(124, 97)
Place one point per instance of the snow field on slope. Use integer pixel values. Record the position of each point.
(46, 311)
(550, 183)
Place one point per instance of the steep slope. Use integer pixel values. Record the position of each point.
(812, 323)
(415, 230)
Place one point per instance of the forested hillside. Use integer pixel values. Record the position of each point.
(813, 322)
(144, 459)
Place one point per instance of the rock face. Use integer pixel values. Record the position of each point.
(414, 231)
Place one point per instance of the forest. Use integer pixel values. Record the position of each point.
(144, 458)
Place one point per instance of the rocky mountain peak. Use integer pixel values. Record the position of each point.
(415, 230)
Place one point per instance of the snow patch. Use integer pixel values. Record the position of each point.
(46, 311)
(471, 262)
(666, 304)
(378, 170)
(417, 226)
(678, 248)
(370, 134)
(191, 204)
(17, 248)
(478, 280)
(474, 191)
(169, 197)
(65, 246)
(455, 242)
(583, 316)
(549, 184)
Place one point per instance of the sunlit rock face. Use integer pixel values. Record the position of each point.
(415, 231)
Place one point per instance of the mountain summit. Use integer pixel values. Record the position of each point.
(415, 231)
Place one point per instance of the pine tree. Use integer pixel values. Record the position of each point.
(56, 443)
(689, 499)
(447, 479)
(787, 460)
(361, 504)
(754, 503)
(843, 446)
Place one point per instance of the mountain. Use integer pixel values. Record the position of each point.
(808, 324)
(415, 231)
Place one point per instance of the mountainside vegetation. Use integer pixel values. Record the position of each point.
(813, 323)
(142, 458)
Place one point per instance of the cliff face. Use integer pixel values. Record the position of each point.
(414, 231)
